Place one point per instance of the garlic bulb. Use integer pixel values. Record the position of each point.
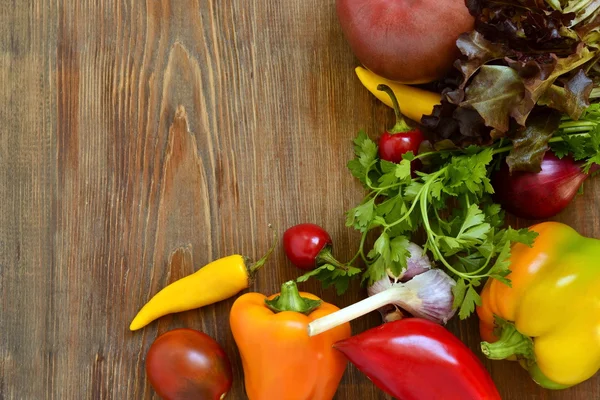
(427, 295)
(433, 299)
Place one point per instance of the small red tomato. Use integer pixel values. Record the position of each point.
(188, 364)
(393, 145)
(303, 243)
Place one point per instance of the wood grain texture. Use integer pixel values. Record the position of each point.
(102, 178)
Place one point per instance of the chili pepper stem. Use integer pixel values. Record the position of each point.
(401, 125)
(290, 300)
(356, 310)
(511, 343)
(255, 266)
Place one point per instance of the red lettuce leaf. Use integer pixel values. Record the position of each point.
(495, 93)
(573, 98)
(531, 143)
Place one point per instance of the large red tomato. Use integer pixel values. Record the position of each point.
(188, 364)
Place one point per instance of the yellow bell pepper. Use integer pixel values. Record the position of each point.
(414, 102)
(549, 319)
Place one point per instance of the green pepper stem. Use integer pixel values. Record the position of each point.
(538, 376)
(510, 343)
(401, 125)
(290, 300)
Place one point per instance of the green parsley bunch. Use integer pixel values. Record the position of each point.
(450, 205)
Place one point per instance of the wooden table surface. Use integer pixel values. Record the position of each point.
(101, 179)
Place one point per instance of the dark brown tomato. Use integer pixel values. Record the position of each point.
(185, 364)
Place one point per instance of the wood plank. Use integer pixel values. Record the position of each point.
(131, 128)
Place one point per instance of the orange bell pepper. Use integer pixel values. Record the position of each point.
(280, 360)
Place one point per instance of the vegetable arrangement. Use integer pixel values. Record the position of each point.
(506, 118)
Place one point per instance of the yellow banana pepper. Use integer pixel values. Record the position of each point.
(414, 102)
(216, 281)
(549, 319)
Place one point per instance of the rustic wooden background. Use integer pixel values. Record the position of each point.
(100, 179)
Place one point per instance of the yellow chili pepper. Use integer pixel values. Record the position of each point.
(219, 280)
(413, 101)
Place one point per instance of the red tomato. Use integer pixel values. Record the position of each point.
(303, 243)
(188, 364)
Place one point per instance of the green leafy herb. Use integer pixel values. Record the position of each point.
(368, 152)
(451, 203)
(331, 275)
(580, 139)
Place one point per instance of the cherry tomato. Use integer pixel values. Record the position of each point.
(393, 145)
(303, 243)
(188, 364)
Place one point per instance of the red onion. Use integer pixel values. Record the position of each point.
(539, 195)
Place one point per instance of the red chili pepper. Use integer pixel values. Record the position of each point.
(401, 139)
(416, 359)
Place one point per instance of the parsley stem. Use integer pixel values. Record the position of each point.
(360, 251)
(555, 139)
(573, 128)
(367, 170)
(405, 216)
(580, 124)
(369, 183)
(487, 262)
(418, 197)
(434, 247)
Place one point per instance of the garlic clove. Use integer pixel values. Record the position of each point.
(392, 313)
(416, 264)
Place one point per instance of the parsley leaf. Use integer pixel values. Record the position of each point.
(366, 152)
(501, 267)
(360, 216)
(331, 275)
(459, 290)
(469, 302)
